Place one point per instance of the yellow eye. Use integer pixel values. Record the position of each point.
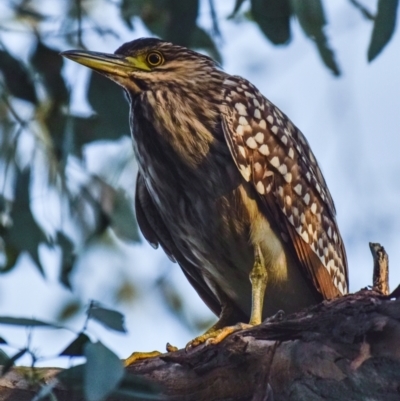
(154, 59)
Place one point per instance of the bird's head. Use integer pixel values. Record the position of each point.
(148, 63)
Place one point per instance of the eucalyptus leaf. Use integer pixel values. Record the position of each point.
(72, 378)
(24, 234)
(122, 218)
(23, 321)
(384, 27)
(48, 63)
(67, 259)
(76, 348)
(46, 392)
(103, 372)
(182, 21)
(273, 18)
(107, 317)
(311, 16)
(17, 78)
(202, 40)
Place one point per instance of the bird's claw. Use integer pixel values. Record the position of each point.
(216, 336)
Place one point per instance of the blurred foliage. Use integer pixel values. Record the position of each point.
(36, 109)
(103, 373)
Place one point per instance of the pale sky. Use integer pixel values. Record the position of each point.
(352, 124)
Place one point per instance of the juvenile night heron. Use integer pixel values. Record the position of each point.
(227, 185)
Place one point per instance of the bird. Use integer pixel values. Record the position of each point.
(227, 185)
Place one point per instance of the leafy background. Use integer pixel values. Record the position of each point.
(67, 174)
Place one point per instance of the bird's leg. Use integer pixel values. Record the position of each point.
(258, 279)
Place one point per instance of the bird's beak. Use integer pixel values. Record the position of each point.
(104, 63)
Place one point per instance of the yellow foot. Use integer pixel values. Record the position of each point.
(216, 336)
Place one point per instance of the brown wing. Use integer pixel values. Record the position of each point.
(156, 233)
(274, 155)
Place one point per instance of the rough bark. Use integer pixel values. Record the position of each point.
(343, 349)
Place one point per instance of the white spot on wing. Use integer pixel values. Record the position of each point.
(256, 103)
(314, 207)
(275, 129)
(260, 188)
(304, 235)
(257, 113)
(270, 119)
(251, 143)
(297, 189)
(262, 124)
(259, 137)
(245, 171)
(288, 177)
(275, 161)
(243, 121)
(264, 150)
(242, 151)
(241, 108)
(282, 169)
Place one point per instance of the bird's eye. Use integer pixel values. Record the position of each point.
(154, 59)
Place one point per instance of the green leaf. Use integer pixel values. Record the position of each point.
(384, 26)
(103, 372)
(16, 78)
(22, 321)
(154, 14)
(107, 317)
(10, 362)
(310, 14)
(112, 109)
(77, 346)
(273, 17)
(130, 9)
(67, 259)
(122, 218)
(46, 392)
(202, 40)
(24, 233)
(182, 21)
(84, 131)
(72, 378)
(49, 63)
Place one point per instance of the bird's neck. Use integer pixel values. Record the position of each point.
(181, 122)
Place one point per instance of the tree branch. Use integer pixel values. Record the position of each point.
(346, 348)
